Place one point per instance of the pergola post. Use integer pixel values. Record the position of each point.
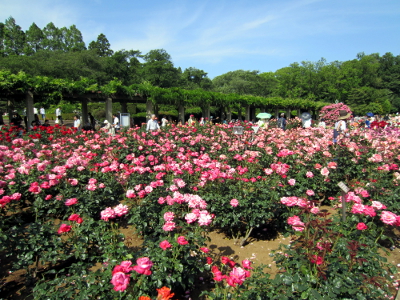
(252, 114)
(149, 109)
(288, 113)
(247, 113)
(206, 112)
(181, 114)
(29, 109)
(229, 113)
(109, 110)
(85, 118)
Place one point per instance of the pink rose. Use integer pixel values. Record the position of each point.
(165, 245)
(388, 217)
(236, 276)
(204, 249)
(190, 218)
(378, 205)
(169, 216)
(325, 171)
(315, 210)
(309, 174)
(120, 281)
(107, 214)
(169, 226)
(182, 240)
(121, 210)
(71, 201)
(246, 264)
(234, 202)
(361, 226)
(310, 193)
(144, 265)
(316, 260)
(292, 182)
(73, 181)
(64, 228)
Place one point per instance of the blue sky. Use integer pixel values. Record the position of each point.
(222, 36)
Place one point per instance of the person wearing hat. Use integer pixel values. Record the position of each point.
(340, 125)
(107, 127)
(191, 120)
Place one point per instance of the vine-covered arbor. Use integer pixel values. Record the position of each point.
(22, 87)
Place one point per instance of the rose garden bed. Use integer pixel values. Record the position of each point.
(70, 202)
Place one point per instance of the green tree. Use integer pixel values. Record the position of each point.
(124, 65)
(53, 38)
(367, 99)
(159, 70)
(193, 78)
(72, 39)
(2, 36)
(101, 46)
(14, 38)
(241, 82)
(34, 39)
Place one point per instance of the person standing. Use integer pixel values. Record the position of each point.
(191, 120)
(340, 125)
(282, 122)
(77, 122)
(43, 113)
(164, 122)
(322, 123)
(92, 121)
(152, 124)
(59, 116)
(115, 123)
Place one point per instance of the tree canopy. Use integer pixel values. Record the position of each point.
(366, 83)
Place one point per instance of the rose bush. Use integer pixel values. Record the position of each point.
(64, 195)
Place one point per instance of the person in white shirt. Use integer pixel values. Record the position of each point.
(191, 120)
(43, 113)
(340, 125)
(152, 124)
(322, 123)
(116, 123)
(164, 121)
(77, 122)
(58, 116)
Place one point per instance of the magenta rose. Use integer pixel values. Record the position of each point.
(120, 281)
(64, 228)
(71, 201)
(361, 226)
(165, 245)
(182, 240)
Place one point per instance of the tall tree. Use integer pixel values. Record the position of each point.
(2, 36)
(14, 38)
(34, 39)
(72, 39)
(101, 46)
(159, 70)
(124, 65)
(193, 78)
(241, 82)
(53, 38)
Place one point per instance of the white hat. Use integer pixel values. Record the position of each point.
(105, 121)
